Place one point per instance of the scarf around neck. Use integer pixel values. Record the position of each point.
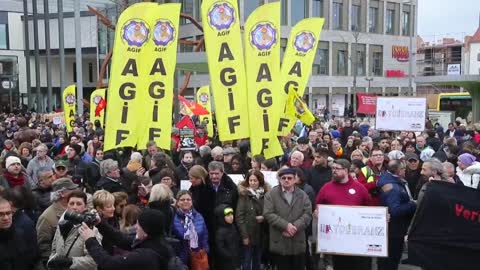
(190, 232)
(13, 180)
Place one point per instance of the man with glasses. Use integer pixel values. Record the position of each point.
(40, 160)
(370, 174)
(288, 212)
(17, 252)
(344, 190)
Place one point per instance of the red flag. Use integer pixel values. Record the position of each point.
(367, 103)
(194, 107)
(102, 104)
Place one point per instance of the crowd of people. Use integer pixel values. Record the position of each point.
(67, 204)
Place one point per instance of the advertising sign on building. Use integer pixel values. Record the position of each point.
(453, 69)
(401, 53)
(363, 228)
(366, 103)
(399, 113)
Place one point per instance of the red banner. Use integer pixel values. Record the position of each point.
(367, 103)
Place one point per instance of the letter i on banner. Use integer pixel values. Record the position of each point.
(125, 110)
(160, 61)
(297, 64)
(223, 44)
(70, 106)
(204, 99)
(97, 106)
(262, 63)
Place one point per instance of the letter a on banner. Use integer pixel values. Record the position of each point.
(223, 44)
(97, 101)
(297, 64)
(262, 63)
(127, 77)
(157, 96)
(70, 106)
(204, 99)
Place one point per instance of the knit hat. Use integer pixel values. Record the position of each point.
(152, 222)
(12, 160)
(77, 148)
(467, 159)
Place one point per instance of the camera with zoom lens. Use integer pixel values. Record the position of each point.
(90, 218)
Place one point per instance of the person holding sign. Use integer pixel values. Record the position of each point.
(288, 211)
(344, 190)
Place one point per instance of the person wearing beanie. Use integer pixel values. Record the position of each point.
(468, 170)
(13, 175)
(149, 250)
(227, 240)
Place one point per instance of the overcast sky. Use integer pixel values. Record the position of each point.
(447, 18)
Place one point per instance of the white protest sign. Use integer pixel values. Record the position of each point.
(399, 113)
(237, 178)
(270, 178)
(352, 230)
(185, 184)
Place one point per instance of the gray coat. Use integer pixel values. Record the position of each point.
(79, 254)
(33, 167)
(279, 213)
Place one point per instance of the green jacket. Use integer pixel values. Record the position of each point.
(278, 213)
(248, 207)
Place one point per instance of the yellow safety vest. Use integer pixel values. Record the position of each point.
(367, 172)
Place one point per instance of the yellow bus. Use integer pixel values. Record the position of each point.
(460, 103)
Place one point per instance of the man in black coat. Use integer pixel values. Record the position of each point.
(110, 180)
(320, 172)
(17, 252)
(226, 191)
(150, 251)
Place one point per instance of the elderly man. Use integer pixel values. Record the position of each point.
(288, 211)
(226, 191)
(395, 194)
(13, 176)
(110, 180)
(17, 252)
(44, 188)
(48, 221)
(40, 160)
(217, 153)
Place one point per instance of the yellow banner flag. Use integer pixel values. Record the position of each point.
(95, 100)
(262, 65)
(70, 106)
(160, 61)
(297, 109)
(204, 99)
(223, 44)
(297, 63)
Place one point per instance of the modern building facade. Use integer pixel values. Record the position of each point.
(374, 33)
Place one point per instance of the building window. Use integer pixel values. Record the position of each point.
(377, 69)
(320, 66)
(337, 16)
(359, 50)
(299, 10)
(249, 6)
(187, 8)
(284, 9)
(342, 63)
(317, 8)
(406, 23)
(90, 72)
(373, 20)
(390, 22)
(356, 18)
(3, 36)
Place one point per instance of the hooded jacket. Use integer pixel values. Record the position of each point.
(227, 242)
(249, 206)
(470, 177)
(394, 195)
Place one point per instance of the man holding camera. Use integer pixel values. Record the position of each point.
(68, 248)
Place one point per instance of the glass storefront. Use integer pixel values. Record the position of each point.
(9, 92)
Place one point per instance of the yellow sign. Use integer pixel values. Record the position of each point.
(140, 89)
(297, 64)
(95, 101)
(70, 106)
(297, 109)
(204, 99)
(157, 99)
(262, 63)
(223, 44)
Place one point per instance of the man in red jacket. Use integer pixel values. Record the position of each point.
(344, 190)
(370, 174)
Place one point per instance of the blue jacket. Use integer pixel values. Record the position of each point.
(393, 194)
(178, 230)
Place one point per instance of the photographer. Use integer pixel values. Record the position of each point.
(68, 248)
(150, 249)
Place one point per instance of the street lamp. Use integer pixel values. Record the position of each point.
(369, 80)
(410, 48)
